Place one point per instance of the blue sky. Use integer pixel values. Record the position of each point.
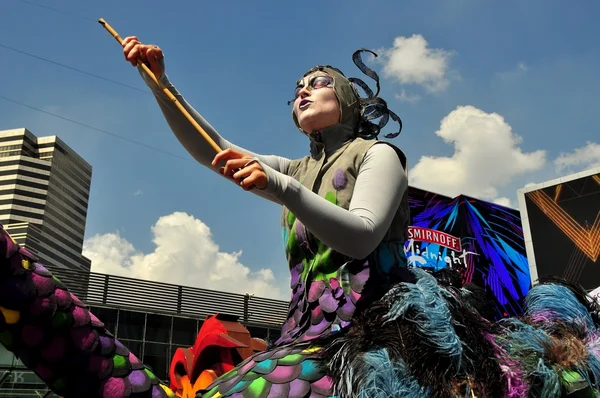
(493, 96)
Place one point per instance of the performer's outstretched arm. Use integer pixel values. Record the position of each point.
(191, 140)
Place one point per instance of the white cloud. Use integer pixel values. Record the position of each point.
(138, 192)
(411, 61)
(585, 157)
(406, 97)
(486, 156)
(502, 202)
(185, 254)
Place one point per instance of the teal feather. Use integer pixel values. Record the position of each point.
(549, 379)
(523, 342)
(424, 303)
(557, 303)
(590, 371)
(527, 344)
(387, 379)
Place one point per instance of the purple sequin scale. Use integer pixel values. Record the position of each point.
(322, 307)
(55, 335)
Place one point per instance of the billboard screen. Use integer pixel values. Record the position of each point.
(564, 227)
(481, 240)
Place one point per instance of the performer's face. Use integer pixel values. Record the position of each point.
(316, 106)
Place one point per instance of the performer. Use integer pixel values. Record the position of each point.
(345, 211)
(345, 206)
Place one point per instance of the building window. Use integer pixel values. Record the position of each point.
(261, 333)
(131, 325)
(274, 334)
(185, 331)
(158, 358)
(108, 316)
(158, 328)
(135, 347)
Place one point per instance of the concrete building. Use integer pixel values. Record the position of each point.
(44, 192)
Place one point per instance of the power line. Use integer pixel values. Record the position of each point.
(56, 10)
(92, 127)
(85, 73)
(73, 68)
(65, 65)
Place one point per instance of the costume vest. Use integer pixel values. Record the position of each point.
(328, 287)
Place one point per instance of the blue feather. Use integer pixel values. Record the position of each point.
(429, 312)
(593, 360)
(386, 379)
(590, 370)
(557, 302)
(527, 344)
(551, 385)
(521, 339)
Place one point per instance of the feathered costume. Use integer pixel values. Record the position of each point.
(369, 328)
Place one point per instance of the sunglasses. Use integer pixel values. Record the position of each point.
(314, 83)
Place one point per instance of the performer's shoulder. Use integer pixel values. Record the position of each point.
(369, 143)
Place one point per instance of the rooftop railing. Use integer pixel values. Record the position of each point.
(96, 289)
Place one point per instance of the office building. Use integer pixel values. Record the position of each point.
(44, 192)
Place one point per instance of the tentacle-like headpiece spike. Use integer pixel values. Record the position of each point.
(372, 106)
(356, 57)
(362, 85)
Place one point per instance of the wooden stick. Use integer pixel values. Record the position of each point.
(168, 93)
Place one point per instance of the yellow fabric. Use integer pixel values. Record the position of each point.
(10, 316)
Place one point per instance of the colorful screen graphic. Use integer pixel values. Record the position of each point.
(481, 240)
(564, 221)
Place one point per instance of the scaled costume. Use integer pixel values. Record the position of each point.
(358, 325)
(53, 334)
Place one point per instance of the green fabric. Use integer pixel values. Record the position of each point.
(575, 385)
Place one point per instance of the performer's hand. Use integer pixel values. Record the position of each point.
(150, 54)
(241, 167)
